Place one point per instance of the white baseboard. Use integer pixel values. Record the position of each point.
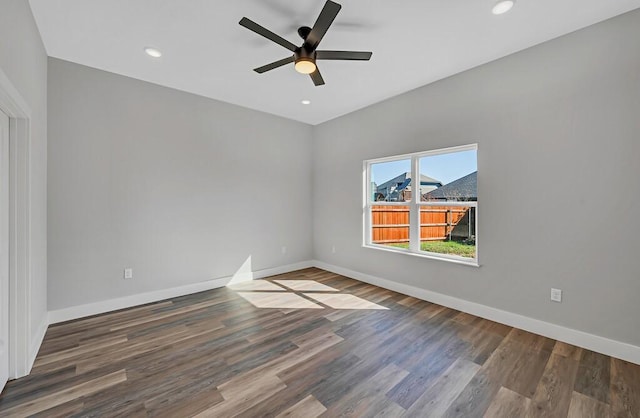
(35, 344)
(582, 339)
(81, 311)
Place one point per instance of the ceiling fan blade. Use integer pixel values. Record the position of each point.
(327, 15)
(317, 77)
(344, 55)
(253, 26)
(274, 65)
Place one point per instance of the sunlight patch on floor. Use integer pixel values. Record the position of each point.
(306, 286)
(278, 300)
(257, 285)
(343, 301)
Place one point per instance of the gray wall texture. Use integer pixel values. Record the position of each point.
(178, 187)
(558, 128)
(24, 61)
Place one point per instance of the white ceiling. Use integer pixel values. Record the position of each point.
(206, 52)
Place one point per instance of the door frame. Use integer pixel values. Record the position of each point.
(20, 334)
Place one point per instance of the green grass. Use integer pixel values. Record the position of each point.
(444, 247)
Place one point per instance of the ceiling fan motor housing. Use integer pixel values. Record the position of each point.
(302, 54)
(305, 60)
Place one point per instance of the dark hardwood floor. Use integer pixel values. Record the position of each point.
(312, 343)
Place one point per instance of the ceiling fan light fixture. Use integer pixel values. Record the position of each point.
(305, 66)
(503, 6)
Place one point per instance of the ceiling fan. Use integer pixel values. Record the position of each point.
(305, 56)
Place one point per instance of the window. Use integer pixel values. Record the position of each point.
(434, 216)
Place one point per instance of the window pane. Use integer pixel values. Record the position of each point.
(391, 181)
(390, 225)
(448, 230)
(449, 177)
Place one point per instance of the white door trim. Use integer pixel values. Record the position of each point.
(19, 112)
(4, 249)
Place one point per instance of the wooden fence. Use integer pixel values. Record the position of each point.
(390, 224)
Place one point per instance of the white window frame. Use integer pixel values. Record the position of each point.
(414, 207)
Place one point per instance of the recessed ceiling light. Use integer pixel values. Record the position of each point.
(153, 52)
(306, 102)
(503, 6)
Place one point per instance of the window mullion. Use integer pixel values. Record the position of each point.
(414, 209)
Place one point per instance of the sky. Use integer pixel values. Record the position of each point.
(444, 167)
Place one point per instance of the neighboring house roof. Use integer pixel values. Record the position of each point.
(465, 188)
(424, 180)
(399, 187)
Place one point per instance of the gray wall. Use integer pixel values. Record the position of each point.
(558, 128)
(24, 61)
(178, 187)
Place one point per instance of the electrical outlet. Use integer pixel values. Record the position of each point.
(556, 295)
(128, 273)
(333, 249)
(284, 250)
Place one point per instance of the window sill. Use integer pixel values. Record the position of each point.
(432, 256)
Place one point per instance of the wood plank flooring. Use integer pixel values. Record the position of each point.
(313, 344)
